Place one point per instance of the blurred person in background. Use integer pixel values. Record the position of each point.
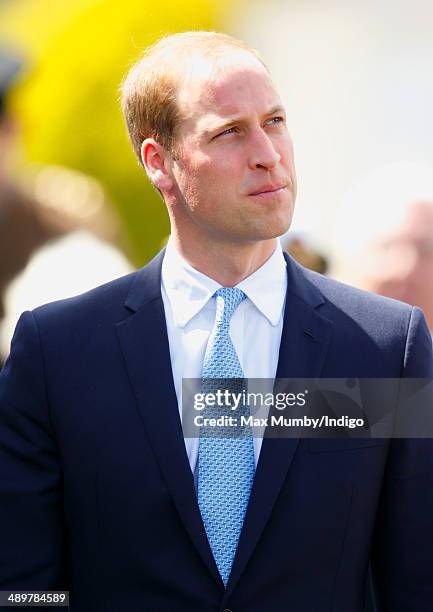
(55, 227)
(299, 247)
(384, 238)
(392, 253)
(404, 259)
(22, 230)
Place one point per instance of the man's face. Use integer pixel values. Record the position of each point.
(234, 178)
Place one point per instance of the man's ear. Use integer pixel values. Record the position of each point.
(156, 160)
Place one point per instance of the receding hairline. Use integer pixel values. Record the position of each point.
(174, 56)
(186, 48)
(163, 68)
(196, 43)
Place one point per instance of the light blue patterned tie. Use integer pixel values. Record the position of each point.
(225, 464)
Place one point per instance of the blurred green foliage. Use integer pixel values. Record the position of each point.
(79, 51)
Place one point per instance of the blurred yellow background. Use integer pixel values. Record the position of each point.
(67, 103)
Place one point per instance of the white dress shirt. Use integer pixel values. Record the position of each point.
(255, 327)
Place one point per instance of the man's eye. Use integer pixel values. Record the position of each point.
(227, 131)
(276, 120)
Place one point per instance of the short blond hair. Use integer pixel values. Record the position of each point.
(150, 90)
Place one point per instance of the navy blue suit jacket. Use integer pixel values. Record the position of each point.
(97, 495)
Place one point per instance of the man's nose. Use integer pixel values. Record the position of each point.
(263, 153)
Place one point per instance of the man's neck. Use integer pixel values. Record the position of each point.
(228, 265)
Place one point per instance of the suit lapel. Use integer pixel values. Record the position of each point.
(144, 342)
(304, 344)
(143, 338)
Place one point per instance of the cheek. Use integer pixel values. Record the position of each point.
(194, 186)
(187, 181)
(206, 182)
(287, 153)
(210, 179)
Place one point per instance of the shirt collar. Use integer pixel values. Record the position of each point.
(189, 290)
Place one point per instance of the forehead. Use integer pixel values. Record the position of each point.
(235, 84)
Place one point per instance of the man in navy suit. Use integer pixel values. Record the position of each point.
(99, 489)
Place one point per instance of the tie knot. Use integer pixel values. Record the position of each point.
(228, 299)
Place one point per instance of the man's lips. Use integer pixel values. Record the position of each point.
(267, 189)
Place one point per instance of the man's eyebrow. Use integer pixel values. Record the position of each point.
(231, 120)
(275, 110)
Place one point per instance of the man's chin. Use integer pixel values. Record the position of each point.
(276, 228)
(265, 234)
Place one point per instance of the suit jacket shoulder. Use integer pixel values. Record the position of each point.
(380, 336)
